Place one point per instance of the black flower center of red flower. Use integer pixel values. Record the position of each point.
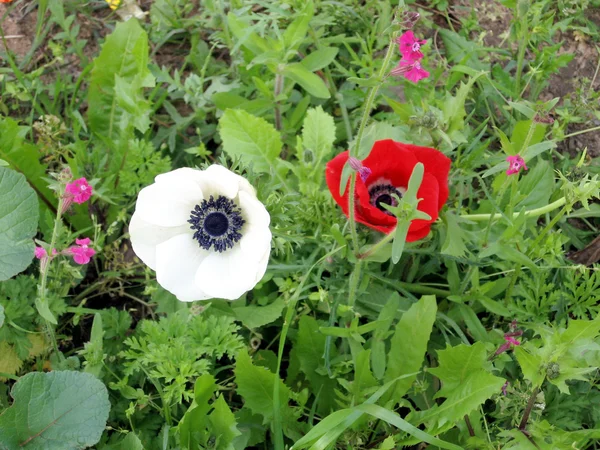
(383, 194)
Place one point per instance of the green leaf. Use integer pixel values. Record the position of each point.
(311, 83)
(454, 244)
(123, 59)
(385, 319)
(297, 30)
(223, 425)
(309, 348)
(536, 187)
(194, 419)
(1, 316)
(320, 58)
(318, 134)
(394, 419)
(130, 442)
(130, 97)
(409, 343)
(466, 383)
(94, 352)
(257, 316)
(60, 410)
(248, 38)
(255, 385)
(19, 215)
(252, 139)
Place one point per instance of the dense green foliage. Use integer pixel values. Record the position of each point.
(483, 335)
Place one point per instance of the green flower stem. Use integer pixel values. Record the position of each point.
(576, 133)
(531, 213)
(354, 282)
(376, 247)
(361, 129)
(44, 274)
(276, 93)
(291, 308)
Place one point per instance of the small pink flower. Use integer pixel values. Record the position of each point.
(357, 165)
(515, 164)
(411, 70)
(509, 342)
(81, 252)
(40, 253)
(79, 191)
(410, 47)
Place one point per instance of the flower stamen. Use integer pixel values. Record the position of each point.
(217, 223)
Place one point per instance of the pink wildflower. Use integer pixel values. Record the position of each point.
(81, 252)
(515, 164)
(40, 253)
(412, 71)
(509, 342)
(357, 165)
(410, 47)
(79, 191)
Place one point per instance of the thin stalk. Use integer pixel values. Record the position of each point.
(44, 267)
(276, 93)
(566, 136)
(354, 282)
(277, 422)
(530, 213)
(528, 409)
(361, 129)
(469, 426)
(376, 247)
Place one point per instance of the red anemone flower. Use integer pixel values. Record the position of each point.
(391, 164)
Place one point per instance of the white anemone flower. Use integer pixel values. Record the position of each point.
(204, 232)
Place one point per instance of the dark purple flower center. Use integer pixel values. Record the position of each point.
(217, 223)
(382, 194)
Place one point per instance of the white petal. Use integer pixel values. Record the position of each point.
(256, 240)
(229, 274)
(262, 266)
(253, 211)
(218, 180)
(145, 237)
(177, 261)
(186, 173)
(168, 203)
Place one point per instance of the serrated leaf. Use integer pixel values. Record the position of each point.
(466, 383)
(318, 133)
(124, 56)
(310, 82)
(309, 349)
(409, 343)
(256, 316)
(60, 410)
(454, 244)
(18, 223)
(254, 140)
(255, 385)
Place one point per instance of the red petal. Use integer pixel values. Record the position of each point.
(392, 161)
(437, 164)
(333, 176)
(413, 236)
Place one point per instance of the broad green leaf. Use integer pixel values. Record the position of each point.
(536, 187)
(320, 58)
(309, 349)
(254, 140)
(296, 31)
(130, 97)
(466, 384)
(318, 134)
(257, 316)
(363, 377)
(310, 82)
(409, 344)
(194, 420)
(255, 385)
(130, 442)
(19, 215)
(60, 410)
(223, 425)
(123, 59)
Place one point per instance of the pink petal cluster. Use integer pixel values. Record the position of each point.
(82, 253)
(515, 164)
(40, 253)
(357, 165)
(79, 191)
(509, 342)
(410, 65)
